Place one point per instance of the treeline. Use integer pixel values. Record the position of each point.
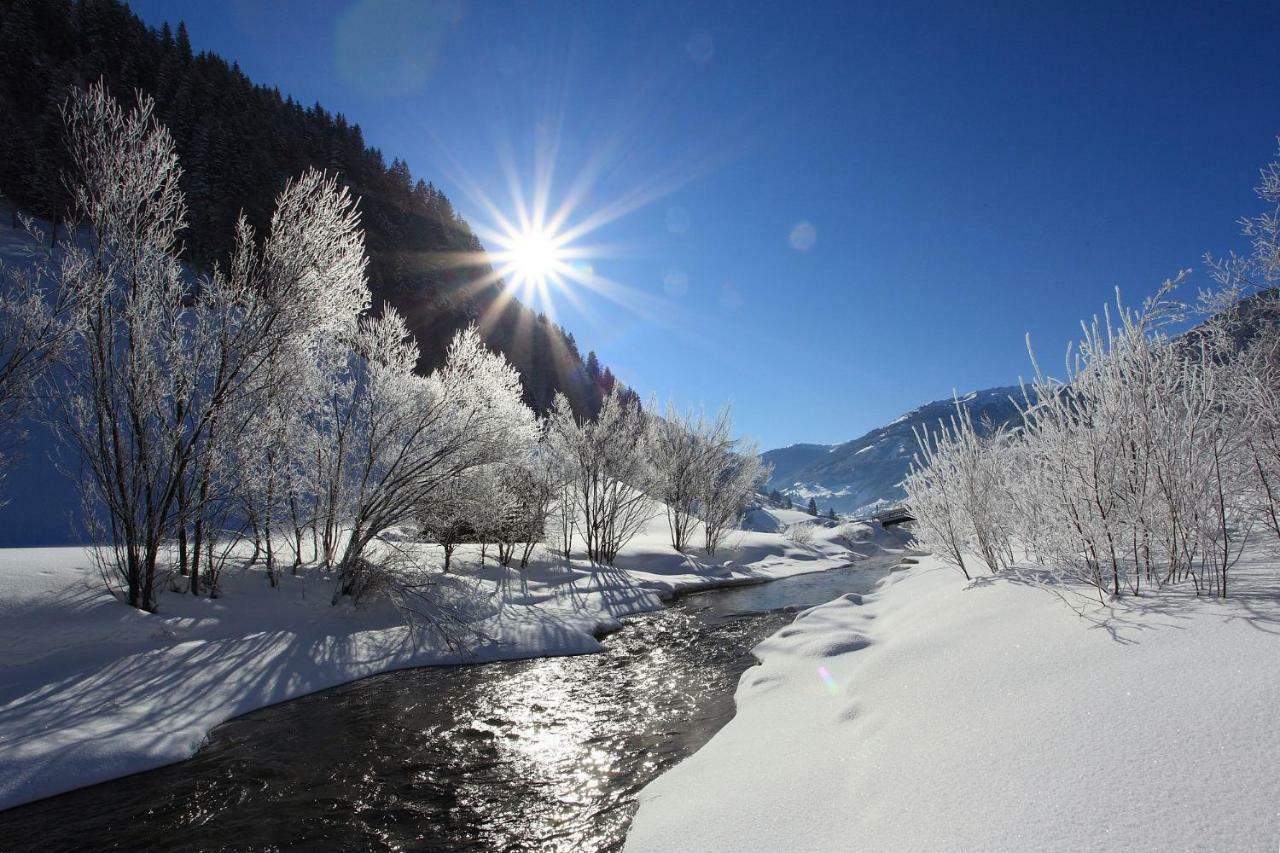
(239, 144)
(1150, 463)
(263, 402)
(781, 501)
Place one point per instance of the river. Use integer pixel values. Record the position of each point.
(542, 754)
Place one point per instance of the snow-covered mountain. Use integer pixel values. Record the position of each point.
(854, 476)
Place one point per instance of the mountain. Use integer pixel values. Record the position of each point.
(239, 143)
(854, 476)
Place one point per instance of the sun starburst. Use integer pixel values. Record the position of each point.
(542, 252)
(531, 261)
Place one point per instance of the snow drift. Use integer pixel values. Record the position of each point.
(994, 715)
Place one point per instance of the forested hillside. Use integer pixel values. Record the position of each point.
(238, 144)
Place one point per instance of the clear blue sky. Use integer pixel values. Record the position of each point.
(970, 172)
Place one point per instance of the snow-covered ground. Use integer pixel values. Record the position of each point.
(91, 690)
(998, 714)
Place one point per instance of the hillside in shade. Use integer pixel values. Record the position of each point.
(239, 143)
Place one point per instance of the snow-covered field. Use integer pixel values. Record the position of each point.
(1001, 714)
(91, 690)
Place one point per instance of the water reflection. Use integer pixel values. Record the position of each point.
(525, 755)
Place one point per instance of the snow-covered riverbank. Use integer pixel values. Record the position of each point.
(939, 714)
(92, 690)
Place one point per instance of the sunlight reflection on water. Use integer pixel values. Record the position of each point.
(524, 755)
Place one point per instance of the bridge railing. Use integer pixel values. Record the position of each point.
(893, 515)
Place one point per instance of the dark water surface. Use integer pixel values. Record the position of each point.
(544, 754)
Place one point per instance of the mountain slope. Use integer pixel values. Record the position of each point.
(857, 474)
(852, 476)
(239, 142)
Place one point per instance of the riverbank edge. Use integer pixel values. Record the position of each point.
(35, 771)
(920, 715)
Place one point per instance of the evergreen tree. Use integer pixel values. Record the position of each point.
(238, 143)
(831, 513)
(812, 509)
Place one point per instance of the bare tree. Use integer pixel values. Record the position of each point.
(683, 447)
(36, 327)
(408, 434)
(728, 481)
(609, 471)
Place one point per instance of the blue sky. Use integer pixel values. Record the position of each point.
(968, 173)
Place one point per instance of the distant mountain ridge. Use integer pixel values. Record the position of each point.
(858, 475)
(855, 476)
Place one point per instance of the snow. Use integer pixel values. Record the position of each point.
(91, 690)
(1002, 714)
(856, 475)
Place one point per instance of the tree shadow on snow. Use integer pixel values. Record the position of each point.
(1254, 599)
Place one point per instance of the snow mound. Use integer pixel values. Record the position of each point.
(945, 715)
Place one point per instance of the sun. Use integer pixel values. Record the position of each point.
(536, 260)
(541, 252)
(533, 257)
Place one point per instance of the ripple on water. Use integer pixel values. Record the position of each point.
(544, 754)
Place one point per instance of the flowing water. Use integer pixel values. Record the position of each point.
(544, 754)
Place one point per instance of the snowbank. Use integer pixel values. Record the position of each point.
(995, 715)
(91, 690)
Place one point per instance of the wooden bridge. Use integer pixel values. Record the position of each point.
(893, 515)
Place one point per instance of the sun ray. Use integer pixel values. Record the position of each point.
(536, 239)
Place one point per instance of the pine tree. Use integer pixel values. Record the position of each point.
(238, 143)
(813, 507)
(183, 43)
(831, 513)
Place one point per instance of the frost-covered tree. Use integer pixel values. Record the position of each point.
(446, 516)
(683, 447)
(534, 485)
(36, 325)
(310, 273)
(933, 496)
(171, 377)
(1246, 301)
(131, 396)
(405, 434)
(1133, 470)
(726, 486)
(609, 469)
